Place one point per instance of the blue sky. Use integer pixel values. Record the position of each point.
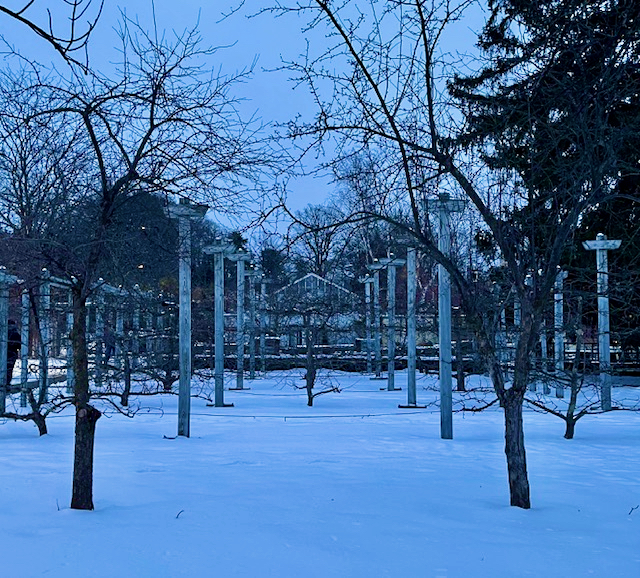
(262, 42)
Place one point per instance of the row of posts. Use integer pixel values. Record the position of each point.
(46, 336)
(186, 212)
(220, 250)
(601, 245)
(445, 206)
(44, 340)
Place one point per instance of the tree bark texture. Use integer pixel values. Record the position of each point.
(38, 418)
(124, 398)
(570, 428)
(514, 450)
(310, 375)
(86, 415)
(41, 423)
(82, 497)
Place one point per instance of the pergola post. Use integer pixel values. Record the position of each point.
(368, 281)
(543, 354)
(263, 324)
(119, 330)
(5, 281)
(45, 332)
(151, 343)
(99, 336)
(135, 326)
(376, 266)
(445, 206)
(69, 352)
(219, 249)
(240, 257)
(412, 400)
(558, 327)
(184, 212)
(601, 245)
(252, 274)
(391, 263)
(24, 346)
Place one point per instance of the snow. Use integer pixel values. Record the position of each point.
(352, 487)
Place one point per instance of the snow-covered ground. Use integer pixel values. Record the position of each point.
(354, 486)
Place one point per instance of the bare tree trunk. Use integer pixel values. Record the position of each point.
(514, 449)
(310, 376)
(43, 365)
(124, 398)
(570, 428)
(38, 418)
(41, 423)
(576, 379)
(86, 415)
(570, 418)
(82, 497)
(511, 400)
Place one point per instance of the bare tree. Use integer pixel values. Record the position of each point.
(68, 40)
(315, 242)
(164, 126)
(314, 307)
(378, 86)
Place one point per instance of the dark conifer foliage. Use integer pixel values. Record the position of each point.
(558, 100)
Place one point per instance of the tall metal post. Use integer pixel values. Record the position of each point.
(218, 268)
(240, 323)
(240, 257)
(391, 263)
(24, 346)
(5, 281)
(263, 324)
(411, 326)
(444, 330)
(252, 274)
(45, 332)
(184, 327)
(219, 249)
(601, 245)
(184, 212)
(558, 327)
(391, 317)
(368, 281)
(376, 266)
(445, 206)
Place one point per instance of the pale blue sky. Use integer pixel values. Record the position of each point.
(264, 40)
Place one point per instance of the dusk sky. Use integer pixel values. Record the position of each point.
(262, 41)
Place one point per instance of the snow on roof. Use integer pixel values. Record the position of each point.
(318, 279)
